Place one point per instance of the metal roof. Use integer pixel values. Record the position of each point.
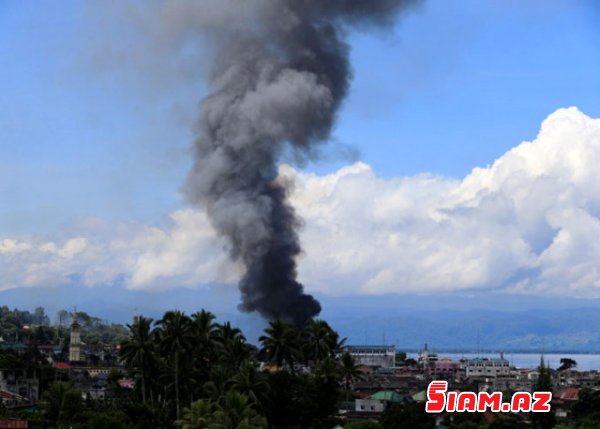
(387, 395)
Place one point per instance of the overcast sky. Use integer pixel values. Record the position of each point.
(465, 157)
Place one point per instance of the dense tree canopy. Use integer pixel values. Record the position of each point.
(201, 373)
(193, 372)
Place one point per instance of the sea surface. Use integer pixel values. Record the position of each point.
(585, 362)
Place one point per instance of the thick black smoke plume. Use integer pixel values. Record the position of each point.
(278, 80)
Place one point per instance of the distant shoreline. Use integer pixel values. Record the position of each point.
(487, 352)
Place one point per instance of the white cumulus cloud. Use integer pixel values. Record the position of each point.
(529, 223)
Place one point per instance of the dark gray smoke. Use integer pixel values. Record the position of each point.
(279, 77)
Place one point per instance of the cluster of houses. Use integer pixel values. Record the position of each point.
(387, 381)
(88, 366)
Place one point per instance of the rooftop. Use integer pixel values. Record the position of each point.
(387, 395)
(497, 360)
(569, 394)
(378, 347)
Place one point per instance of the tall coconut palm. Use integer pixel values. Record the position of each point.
(251, 383)
(227, 332)
(176, 338)
(139, 351)
(234, 352)
(205, 349)
(281, 343)
(350, 371)
(336, 344)
(205, 330)
(318, 340)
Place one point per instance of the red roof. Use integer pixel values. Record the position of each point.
(62, 365)
(568, 394)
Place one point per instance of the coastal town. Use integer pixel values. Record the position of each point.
(374, 379)
(299, 214)
(390, 377)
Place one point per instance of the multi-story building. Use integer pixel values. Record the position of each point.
(381, 356)
(22, 383)
(443, 368)
(486, 367)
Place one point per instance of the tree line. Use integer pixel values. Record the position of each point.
(192, 372)
(200, 373)
(23, 326)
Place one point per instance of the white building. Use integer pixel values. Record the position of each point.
(380, 356)
(427, 359)
(378, 402)
(486, 367)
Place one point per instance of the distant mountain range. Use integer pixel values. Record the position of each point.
(470, 322)
(453, 322)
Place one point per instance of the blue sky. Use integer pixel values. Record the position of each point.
(96, 123)
(455, 86)
(462, 82)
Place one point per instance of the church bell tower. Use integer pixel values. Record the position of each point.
(75, 347)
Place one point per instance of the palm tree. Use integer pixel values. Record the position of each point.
(139, 352)
(176, 338)
(218, 383)
(251, 383)
(318, 340)
(350, 371)
(205, 349)
(281, 343)
(226, 332)
(205, 329)
(234, 352)
(200, 415)
(336, 344)
(328, 371)
(236, 412)
(62, 402)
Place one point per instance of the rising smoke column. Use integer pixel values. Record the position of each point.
(277, 83)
